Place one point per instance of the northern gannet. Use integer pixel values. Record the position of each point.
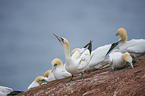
(49, 75)
(37, 82)
(98, 58)
(74, 50)
(74, 66)
(58, 69)
(118, 60)
(135, 47)
(77, 52)
(4, 91)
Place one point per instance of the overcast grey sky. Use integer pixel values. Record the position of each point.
(27, 45)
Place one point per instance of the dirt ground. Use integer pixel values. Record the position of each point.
(124, 82)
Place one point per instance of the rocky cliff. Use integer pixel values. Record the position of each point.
(123, 82)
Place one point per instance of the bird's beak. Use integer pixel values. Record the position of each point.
(54, 67)
(43, 80)
(117, 34)
(59, 38)
(113, 46)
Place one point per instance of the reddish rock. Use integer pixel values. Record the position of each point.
(124, 82)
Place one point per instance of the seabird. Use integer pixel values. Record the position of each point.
(98, 58)
(74, 66)
(38, 81)
(58, 69)
(118, 60)
(6, 91)
(49, 75)
(136, 47)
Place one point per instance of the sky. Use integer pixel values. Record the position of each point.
(27, 44)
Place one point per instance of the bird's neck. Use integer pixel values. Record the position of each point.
(123, 37)
(60, 66)
(67, 53)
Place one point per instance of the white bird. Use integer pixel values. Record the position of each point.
(74, 66)
(98, 58)
(4, 91)
(118, 60)
(136, 47)
(74, 50)
(49, 75)
(59, 70)
(38, 81)
(77, 52)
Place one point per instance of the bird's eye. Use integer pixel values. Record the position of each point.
(62, 40)
(55, 64)
(43, 80)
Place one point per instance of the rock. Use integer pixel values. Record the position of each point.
(124, 82)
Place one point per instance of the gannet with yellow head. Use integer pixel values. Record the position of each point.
(4, 91)
(77, 52)
(118, 60)
(135, 47)
(49, 75)
(58, 69)
(98, 58)
(74, 50)
(74, 66)
(46, 74)
(38, 81)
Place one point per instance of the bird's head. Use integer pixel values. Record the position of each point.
(46, 74)
(123, 34)
(56, 63)
(41, 79)
(62, 40)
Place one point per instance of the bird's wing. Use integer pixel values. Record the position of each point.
(65, 73)
(51, 77)
(78, 53)
(135, 46)
(99, 55)
(138, 49)
(84, 59)
(110, 59)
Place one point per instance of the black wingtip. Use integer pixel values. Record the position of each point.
(89, 46)
(112, 47)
